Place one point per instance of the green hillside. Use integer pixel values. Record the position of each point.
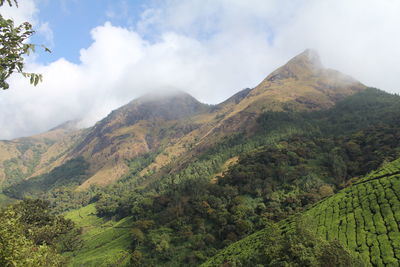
(364, 218)
(105, 243)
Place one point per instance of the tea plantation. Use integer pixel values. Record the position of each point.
(364, 218)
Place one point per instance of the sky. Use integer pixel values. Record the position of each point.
(107, 52)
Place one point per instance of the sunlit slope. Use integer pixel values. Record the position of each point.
(302, 84)
(105, 243)
(26, 157)
(364, 217)
(243, 251)
(148, 124)
(176, 127)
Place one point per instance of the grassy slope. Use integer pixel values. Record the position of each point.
(364, 217)
(106, 243)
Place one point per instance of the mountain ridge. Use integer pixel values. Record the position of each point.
(175, 125)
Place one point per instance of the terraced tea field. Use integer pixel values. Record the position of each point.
(365, 217)
(105, 243)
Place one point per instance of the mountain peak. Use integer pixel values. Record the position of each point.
(162, 96)
(309, 58)
(303, 65)
(167, 105)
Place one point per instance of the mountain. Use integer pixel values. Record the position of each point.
(293, 172)
(302, 84)
(144, 125)
(175, 125)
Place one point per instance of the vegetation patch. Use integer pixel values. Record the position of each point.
(105, 242)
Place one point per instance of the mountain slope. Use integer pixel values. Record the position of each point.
(176, 126)
(363, 217)
(30, 156)
(147, 124)
(302, 84)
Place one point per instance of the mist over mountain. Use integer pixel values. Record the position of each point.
(211, 52)
(304, 163)
(178, 124)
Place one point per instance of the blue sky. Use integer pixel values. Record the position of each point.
(72, 21)
(107, 52)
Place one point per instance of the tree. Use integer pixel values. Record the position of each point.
(16, 249)
(13, 48)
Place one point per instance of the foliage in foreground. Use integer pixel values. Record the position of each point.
(31, 236)
(13, 48)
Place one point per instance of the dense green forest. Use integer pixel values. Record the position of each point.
(185, 216)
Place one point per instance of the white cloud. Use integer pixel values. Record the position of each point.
(210, 49)
(26, 11)
(46, 31)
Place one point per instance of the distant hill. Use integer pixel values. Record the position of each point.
(30, 156)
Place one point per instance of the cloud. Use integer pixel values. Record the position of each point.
(210, 50)
(26, 11)
(46, 31)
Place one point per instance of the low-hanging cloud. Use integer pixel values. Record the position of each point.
(210, 49)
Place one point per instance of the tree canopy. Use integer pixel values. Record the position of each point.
(13, 48)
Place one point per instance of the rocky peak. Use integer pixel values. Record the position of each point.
(303, 65)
